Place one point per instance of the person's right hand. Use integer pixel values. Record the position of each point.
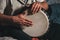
(21, 20)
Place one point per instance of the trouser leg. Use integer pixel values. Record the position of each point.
(15, 33)
(54, 32)
(20, 35)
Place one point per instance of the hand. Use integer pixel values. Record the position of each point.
(36, 7)
(35, 39)
(21, 20)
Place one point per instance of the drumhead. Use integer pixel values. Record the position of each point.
(40, 24)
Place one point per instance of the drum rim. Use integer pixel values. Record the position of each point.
(47, 21)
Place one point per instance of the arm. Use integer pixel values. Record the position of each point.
(36, 6)
(19, 19)
(4, 19)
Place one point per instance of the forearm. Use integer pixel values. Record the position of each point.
(5, 19)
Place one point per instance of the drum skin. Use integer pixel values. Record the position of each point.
(40, 24)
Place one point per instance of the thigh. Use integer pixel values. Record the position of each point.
(14, 32)
(18, 34)
(54, 32)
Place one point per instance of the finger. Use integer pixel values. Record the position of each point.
(39, 9)
(28, 20)
(27, 23)
(36, 8)
(33, 6)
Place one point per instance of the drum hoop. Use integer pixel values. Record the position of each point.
(47, 23)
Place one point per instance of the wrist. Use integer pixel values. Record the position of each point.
(12, 19)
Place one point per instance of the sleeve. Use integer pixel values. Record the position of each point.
(2, 5)
(40, 0)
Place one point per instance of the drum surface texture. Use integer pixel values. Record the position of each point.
(40, 24)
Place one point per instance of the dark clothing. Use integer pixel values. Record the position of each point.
(17, 33)
(13, 32)
(54, 32)
(54, 29)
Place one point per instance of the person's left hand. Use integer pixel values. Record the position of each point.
(36, 7)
